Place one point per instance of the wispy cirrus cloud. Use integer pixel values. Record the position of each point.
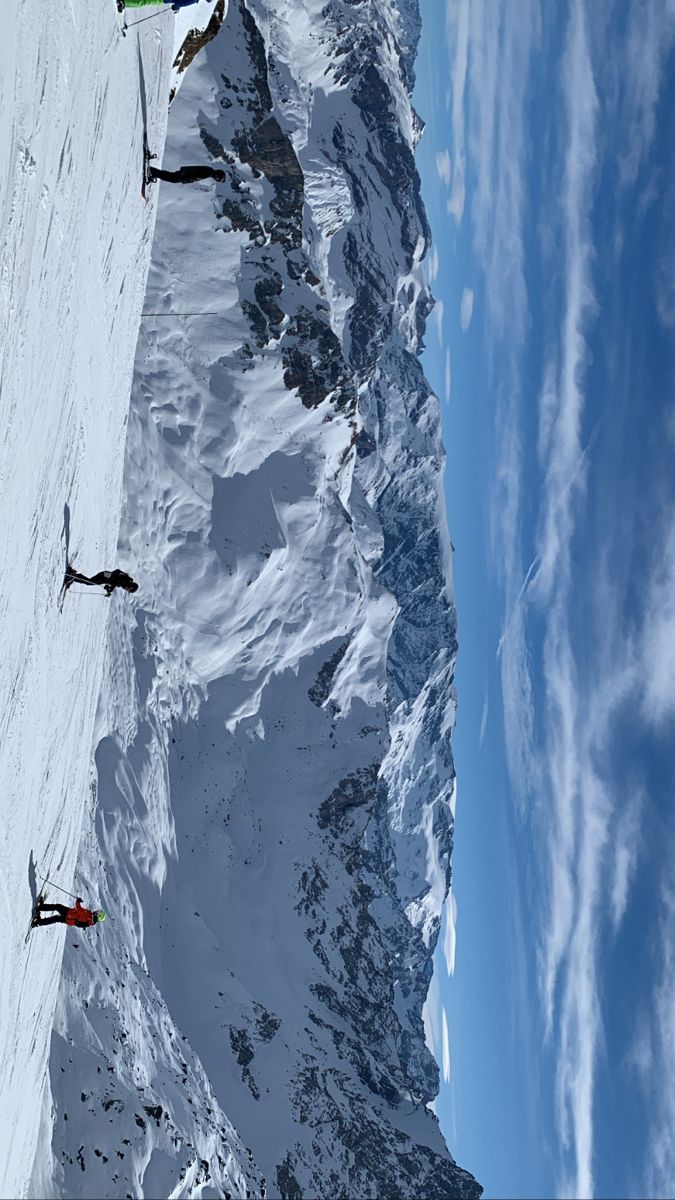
(626, 850)
(433, 264)
(444, 166)
(436, 1031)
(457, 197)
(650, 37)
(458, 20)
(658, 639)
(439, 310)
(589, 872)
(431, 1018)
(483, 721)
(445, 1047)
(564, 704)
(576, 828)
(450, 933)
(553, 747)
(652, 1054)
(466, 309)
(491, 44)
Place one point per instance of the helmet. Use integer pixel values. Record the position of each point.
(100, 916)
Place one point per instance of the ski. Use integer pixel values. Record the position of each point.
(147, 159)
(67, 580)
(33, 916)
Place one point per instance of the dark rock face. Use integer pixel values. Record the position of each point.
(320, 689)
(311, 353)
(355, 791)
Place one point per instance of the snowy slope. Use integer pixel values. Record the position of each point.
(273, 822)
(193, 27)
(74, 249)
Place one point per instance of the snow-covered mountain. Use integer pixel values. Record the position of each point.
(272, 822)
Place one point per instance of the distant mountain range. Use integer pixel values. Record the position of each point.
(274, 804)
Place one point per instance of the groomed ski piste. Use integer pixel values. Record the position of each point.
(75, 242)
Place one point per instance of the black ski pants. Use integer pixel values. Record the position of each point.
(76, 577)
(186, 174)
(60, 910)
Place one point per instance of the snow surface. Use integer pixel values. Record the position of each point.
(269, 818)
(75, 242)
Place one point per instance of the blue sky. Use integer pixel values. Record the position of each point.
(547, 173)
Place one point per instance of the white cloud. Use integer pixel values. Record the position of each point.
(670, 425)
(658, 642)
(665, 294)
(448, 377)
(513, 652)
(640, 1056)
(458, 19)
(458, 15)
(664, 275)
(450, 935)
(574, 721)
(559, 751)
(547, 406)
(436, 1028)
(466, 309)
(433, 265)
(431, 1017)
(655, 1044)
(626, 849)
(438, 317)
(649, 41)
(444, 166)
(483, 720)
(578, 832)
(503, 39)
(446, 1047)
(593, 830)
(455, 205)
(491, 43)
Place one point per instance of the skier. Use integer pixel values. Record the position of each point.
(79, 916)
(175, 4)
(185, 174)
(108, 579)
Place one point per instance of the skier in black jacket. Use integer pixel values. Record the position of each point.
(109, 580)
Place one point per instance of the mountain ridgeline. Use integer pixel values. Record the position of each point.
(271, 821)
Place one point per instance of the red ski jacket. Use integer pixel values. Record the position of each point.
(80, 916)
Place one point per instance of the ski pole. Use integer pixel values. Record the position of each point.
(85, 590)
(150, 18)
(55, 885)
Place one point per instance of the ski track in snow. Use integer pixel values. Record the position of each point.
(75, 241)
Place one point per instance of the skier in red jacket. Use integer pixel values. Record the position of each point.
(79, 916)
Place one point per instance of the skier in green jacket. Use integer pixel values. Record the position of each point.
(175, 4)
